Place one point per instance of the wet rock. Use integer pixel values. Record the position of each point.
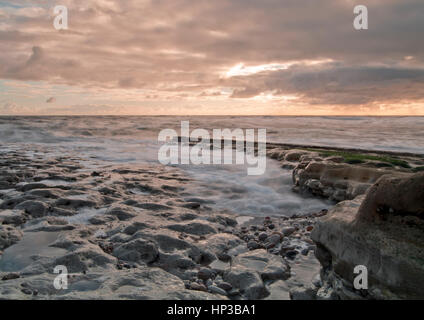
(137, 250)
(26, 291)
(247, 281)
(101, 219)
(134, 227)
(192, 205)
(81, 260)
(31, 186)
(36, 209)
(195, 228)
(47, 193)
(303, 293)
(11, 276)
(75, 202)
(122, 212)
(268, 266)
(14, 217)
(9, 236)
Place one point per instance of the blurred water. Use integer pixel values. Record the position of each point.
(127, 140)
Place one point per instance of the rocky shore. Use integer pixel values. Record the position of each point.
(133, 232)
(378, 222)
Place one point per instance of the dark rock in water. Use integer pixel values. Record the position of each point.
(26, 291)
(192, 205)
(382, 231)
(11, 276)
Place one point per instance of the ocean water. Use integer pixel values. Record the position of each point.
(127, 140)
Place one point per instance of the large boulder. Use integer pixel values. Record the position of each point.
(383, 231)
(335, 181)
(394, 196)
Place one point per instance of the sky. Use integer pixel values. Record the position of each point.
(204, 57)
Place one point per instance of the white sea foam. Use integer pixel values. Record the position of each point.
(126, 140)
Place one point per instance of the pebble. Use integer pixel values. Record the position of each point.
(225, 286)
(291, 254)
(224, 257)
(209, 283)
(205, 274)
(288, 231)
(217, 290)
(263, 236)
(269, 245)
(26, 291)
(234, 292)
(198, 287)
(305, 252)
(252, 245)
(309, 228)
(274, 239)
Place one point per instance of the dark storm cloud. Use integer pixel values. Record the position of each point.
(337, 84)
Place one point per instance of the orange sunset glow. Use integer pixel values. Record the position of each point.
(211, 57)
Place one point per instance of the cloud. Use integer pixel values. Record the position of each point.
(179, 49)
(336, 84)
